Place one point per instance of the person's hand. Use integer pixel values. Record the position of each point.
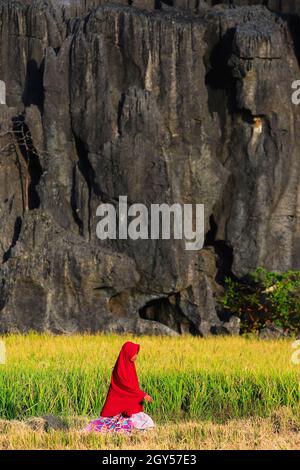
(148, 398)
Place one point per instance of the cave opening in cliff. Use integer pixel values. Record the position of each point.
(166, 310)
(293, 22)
(221, 84)
(223, 251)
(170, 3)
(34, 88)
(31, 171)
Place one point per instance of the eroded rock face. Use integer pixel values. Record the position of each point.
(166, 106)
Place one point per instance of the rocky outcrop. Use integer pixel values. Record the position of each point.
(162, 104)
(278, 6)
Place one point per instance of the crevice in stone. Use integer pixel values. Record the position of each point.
(220, 83)
(168, 313)
(293, 22)
(16, 235)
(74, 207)
(34, 171)
(87, 171)
(85, 166)
(34, 89)
(218, 2)
(219, 75)
(223, 251)
(120, 110)
(2, 295)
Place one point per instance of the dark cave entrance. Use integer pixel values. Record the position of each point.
(220, 83)
(219, 76)
(293, 22)
(34, 88)
(166, 310)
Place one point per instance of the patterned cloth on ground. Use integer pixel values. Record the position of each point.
(120, 424)
(142, 421)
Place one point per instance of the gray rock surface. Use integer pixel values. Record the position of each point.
(160, 104)
(272, 332)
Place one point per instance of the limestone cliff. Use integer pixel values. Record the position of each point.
(163, 102)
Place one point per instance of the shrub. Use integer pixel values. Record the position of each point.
(265, 298)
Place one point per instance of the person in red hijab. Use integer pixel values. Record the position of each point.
(124, 395)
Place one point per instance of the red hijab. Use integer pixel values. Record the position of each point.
(124, 394)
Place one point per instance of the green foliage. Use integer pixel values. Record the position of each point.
(266, 298)
(189, 378)
(197, 395)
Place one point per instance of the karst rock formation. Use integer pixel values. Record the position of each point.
(187, 101)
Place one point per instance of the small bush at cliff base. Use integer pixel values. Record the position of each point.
(266, 298)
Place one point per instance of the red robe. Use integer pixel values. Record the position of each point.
(124, 394)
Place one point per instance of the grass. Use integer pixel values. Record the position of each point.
(279, 431)
(189, 378)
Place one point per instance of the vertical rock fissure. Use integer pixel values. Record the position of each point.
(34, 89)
(293, 22)
(74, 207)
(87, 171)
(120, 111)
(223, 251)
(220, 83)
(29, 165)
(16, 235)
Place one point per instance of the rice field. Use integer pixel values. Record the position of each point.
(279, 431)
(190, 379)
